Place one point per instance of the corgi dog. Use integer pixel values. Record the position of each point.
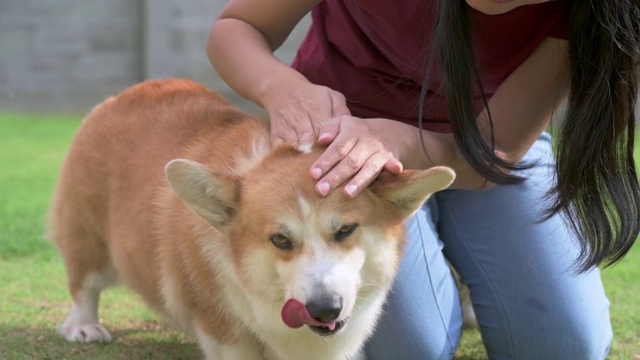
(174, 192)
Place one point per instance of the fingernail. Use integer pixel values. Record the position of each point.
(323, 188)
(316, 173)
(324, 136)
(351, 189)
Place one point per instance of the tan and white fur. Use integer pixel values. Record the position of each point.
(177, 194)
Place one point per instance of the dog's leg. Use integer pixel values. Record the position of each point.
(76, 230)
(468, 314)
(241, 349)
(83, 324)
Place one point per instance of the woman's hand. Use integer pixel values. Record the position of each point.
(298, 111)
(358, 151)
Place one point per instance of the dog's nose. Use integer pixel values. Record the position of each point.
(326, 310)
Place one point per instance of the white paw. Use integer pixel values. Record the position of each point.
(85, 333)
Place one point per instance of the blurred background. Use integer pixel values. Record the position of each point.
(65, 56)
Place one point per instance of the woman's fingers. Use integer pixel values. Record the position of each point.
(334, 154)
(330, 130)
(355, 156)
(293, 127)
(282, 133)
(394, 166)
(298, 117)
(357, 170)
(368, 172)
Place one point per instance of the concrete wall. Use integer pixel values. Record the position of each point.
(66, 55)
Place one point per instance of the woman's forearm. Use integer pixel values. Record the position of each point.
(439, 149)
(521, 109)
(442, 149)
(240, 47)
(244, 59)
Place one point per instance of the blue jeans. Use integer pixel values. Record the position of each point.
(529, 302)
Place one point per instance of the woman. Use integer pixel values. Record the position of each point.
(473, 85)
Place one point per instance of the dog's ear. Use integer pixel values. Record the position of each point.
(212, 197)
(410, 189)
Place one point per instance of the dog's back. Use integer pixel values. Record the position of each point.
(115, 167)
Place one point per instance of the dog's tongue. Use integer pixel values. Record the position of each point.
(295, 314)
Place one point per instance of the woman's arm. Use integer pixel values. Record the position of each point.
(521, 109)
(242, 41)
(523, 106)
(241, 46)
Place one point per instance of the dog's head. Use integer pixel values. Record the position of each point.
(312, 259)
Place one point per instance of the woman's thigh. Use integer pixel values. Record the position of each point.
(529, 301)
(422, 317)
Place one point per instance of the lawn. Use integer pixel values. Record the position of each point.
(33, 295)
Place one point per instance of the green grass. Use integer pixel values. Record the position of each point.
(33, 295)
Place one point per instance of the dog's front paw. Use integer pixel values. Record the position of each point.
(85, 333)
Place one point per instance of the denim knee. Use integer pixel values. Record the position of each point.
(409, 346)
(590, 341)
(567, 338)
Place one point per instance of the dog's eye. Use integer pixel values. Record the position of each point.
(281, 242)
(344, 232)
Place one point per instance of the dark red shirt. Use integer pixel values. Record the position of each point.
(375, 52)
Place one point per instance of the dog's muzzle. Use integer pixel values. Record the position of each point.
(321, 316)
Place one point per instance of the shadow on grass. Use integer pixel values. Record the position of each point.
(39, 343)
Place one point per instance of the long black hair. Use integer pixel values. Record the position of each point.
(597, 187)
